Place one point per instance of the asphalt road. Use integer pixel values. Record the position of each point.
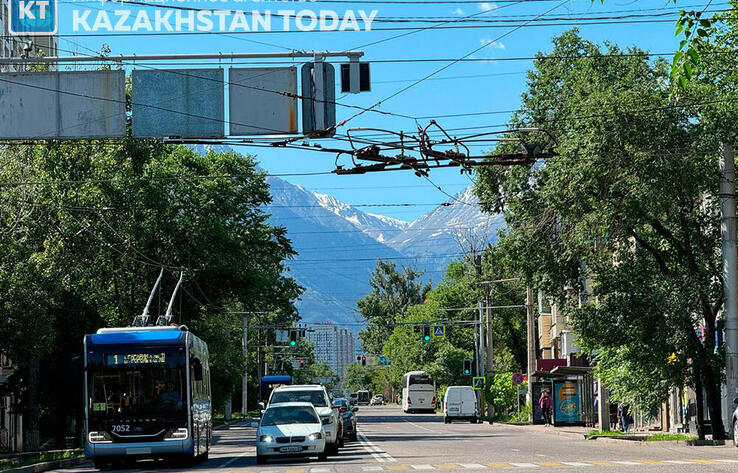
(392, 441)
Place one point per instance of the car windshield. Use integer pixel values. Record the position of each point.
(289, 415)
(316, 398)
(340, 403)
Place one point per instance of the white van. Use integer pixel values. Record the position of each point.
(460, 402)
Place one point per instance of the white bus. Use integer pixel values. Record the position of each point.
(418, 392)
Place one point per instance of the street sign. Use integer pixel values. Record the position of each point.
(478, 382)
(439, 331)
(383, 361)
(517, 378)
(371, 360)
(262, 100)
(296, 364)
(282, 336)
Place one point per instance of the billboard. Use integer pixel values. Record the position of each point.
(567, 408)
(262, 101)
(62, 104)
(185, 103)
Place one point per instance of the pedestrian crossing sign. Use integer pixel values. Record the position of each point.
(478, 382)
(439, 331)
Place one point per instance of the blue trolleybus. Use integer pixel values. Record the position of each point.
(147, 395)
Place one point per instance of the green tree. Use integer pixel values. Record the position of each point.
(86, 226)
(392, 293)
(631, 198)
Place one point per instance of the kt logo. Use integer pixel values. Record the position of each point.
(33, 17)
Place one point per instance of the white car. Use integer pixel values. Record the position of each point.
(318, 397)
(290, 429)
(460, 402)
(377, 400)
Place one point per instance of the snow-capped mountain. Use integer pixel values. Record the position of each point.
(379, 227)
(338, 244)
(458, 221)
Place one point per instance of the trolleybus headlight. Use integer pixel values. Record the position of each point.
(100, 437)
(266, 438)
(176, 434)
(315, 436)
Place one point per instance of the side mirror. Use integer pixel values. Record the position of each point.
(255, 425)
(735, 401)
(261, 406)
(354, 409)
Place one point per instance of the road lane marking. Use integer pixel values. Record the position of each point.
(525, 465)
(550, 463)
(447, 466)
(652, 462)
(576, 464)
(620, 462)
(296, 470)
(601, 463)
(710, 462)
(398, 467)
(421, 427)
(498, 465)
(377, 453)
(473, 466)
(728, 461)
(320, 470)
(233, 459)
(423, 467)
(372, 468)
(678, 462)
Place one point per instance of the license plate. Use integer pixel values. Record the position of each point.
(290, 449)
(453, 409)
(138, 451)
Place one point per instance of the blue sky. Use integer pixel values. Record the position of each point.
(463, 88)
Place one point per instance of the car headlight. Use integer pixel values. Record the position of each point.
(266, 439)
(100, 437)
(176, 434)
(328, 420)
(315, 436)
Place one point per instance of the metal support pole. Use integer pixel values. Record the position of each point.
(531, 332)
(730, 273)
(181, 57)
(482, 401)
(245, 380)
(477, 369)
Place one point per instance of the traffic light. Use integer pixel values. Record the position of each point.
(426, 333)
(363, 360)
(302, 363)
(358, 358)
(467, 366)
(293, 338)
(416, 329)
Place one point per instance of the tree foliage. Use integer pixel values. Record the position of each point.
(86, 227)
(631, 199)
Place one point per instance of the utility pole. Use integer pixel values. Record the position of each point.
(531, 326)
(245, 381)
(482, 401)
(730, 272)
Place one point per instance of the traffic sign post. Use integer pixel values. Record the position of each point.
(439, 331)
(478, 382)
(517, 378)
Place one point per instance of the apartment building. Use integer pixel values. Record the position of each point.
(333, 345)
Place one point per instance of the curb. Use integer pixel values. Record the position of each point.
(639, 440)
(52, 465)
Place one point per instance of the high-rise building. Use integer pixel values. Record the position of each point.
(333, 345)
(22, 46)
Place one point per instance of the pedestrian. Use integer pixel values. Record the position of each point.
(545, 403)
(624, 416)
